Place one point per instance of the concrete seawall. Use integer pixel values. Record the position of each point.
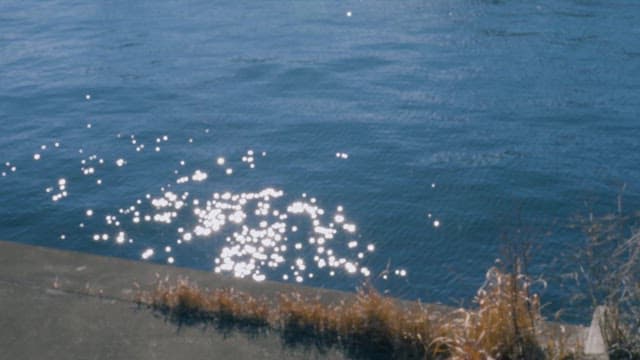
(68, 305)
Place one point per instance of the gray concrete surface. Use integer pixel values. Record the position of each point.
(66, 305)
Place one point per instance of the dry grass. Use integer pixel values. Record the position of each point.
(504, 325)
(609, 267)
(187, 301)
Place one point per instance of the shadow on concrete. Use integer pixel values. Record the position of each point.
(362, 347)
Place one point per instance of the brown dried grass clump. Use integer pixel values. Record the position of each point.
(504, 326)
(187, 301)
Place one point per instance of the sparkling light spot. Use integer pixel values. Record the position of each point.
(199, 175)
(147, 254)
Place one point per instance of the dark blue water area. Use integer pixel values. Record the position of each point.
(438, 126)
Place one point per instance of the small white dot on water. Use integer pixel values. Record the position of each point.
(220, 161)
(36, 157)
(87, 97)
(229, 171)
(436, 223)
(89, 212)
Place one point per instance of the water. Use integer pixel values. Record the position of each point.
(428, 128)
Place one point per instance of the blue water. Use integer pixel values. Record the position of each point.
(437, 126)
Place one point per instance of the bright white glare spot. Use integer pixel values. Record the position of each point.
(99, 182)
(170, 260)
(371, 248)
(63, 236)
(349, 14)
(36, 157)
(352, 244)
(87, 97)
(199, 175)
(147, 254)
(220, 161)
(229, 171)
(436, 223)
(350, 268)
(349, 228)
(56, 144)
(120, 162)
(167, 249)
(89, 126)
(433, 185)
(89, 212)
